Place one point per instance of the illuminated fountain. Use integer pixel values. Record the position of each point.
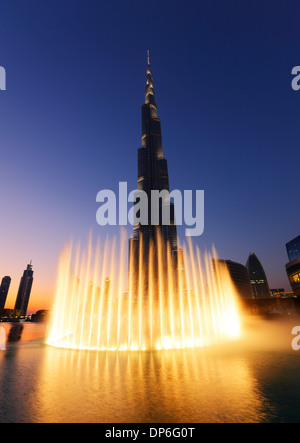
(170, 298)
(100, 306)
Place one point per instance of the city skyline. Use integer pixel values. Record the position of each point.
(220, 88)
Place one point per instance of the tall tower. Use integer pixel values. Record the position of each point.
(152, 176)
(5, 284)
(258, 278)
(24, 291)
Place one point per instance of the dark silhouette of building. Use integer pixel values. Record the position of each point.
(24, 291)
(40, 316)
(152, 175)
(293, 248)
(240, 277)
(5, 284)
(6, 314)
(293, 266)
(258, 278)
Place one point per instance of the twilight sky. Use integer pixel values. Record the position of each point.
(70, 122)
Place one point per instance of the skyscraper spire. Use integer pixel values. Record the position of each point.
(149, 89)
(152, 176)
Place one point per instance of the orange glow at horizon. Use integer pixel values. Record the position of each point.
(41, 298)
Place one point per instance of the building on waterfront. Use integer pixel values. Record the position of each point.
(293, 272)
(293, 266)
(152, 175)
(293, 248)
(281, 293)
(258, 278)
(24, 291)
(6, 314)
(240, 277)
(4, 288)
(42, 315)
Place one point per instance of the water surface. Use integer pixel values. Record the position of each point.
(252, 379)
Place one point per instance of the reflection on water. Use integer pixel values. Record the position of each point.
(236, 382)
(15, 333)
(24, 332)
(150, 387)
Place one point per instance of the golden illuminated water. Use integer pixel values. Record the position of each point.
(253, 378)
(98, 306)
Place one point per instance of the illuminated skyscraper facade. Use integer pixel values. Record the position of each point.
(152, 176)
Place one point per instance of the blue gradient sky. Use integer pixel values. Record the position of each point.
(70, 121)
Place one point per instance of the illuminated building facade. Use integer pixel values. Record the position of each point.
(293, 273)
(152, 175)
(293, 266)
(24, 291)
(258, 278)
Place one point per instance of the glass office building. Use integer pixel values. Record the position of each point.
(258, 278)
(293, 248)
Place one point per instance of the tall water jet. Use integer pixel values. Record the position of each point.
(98, 305)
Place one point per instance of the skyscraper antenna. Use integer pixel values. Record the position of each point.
(148, 57)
